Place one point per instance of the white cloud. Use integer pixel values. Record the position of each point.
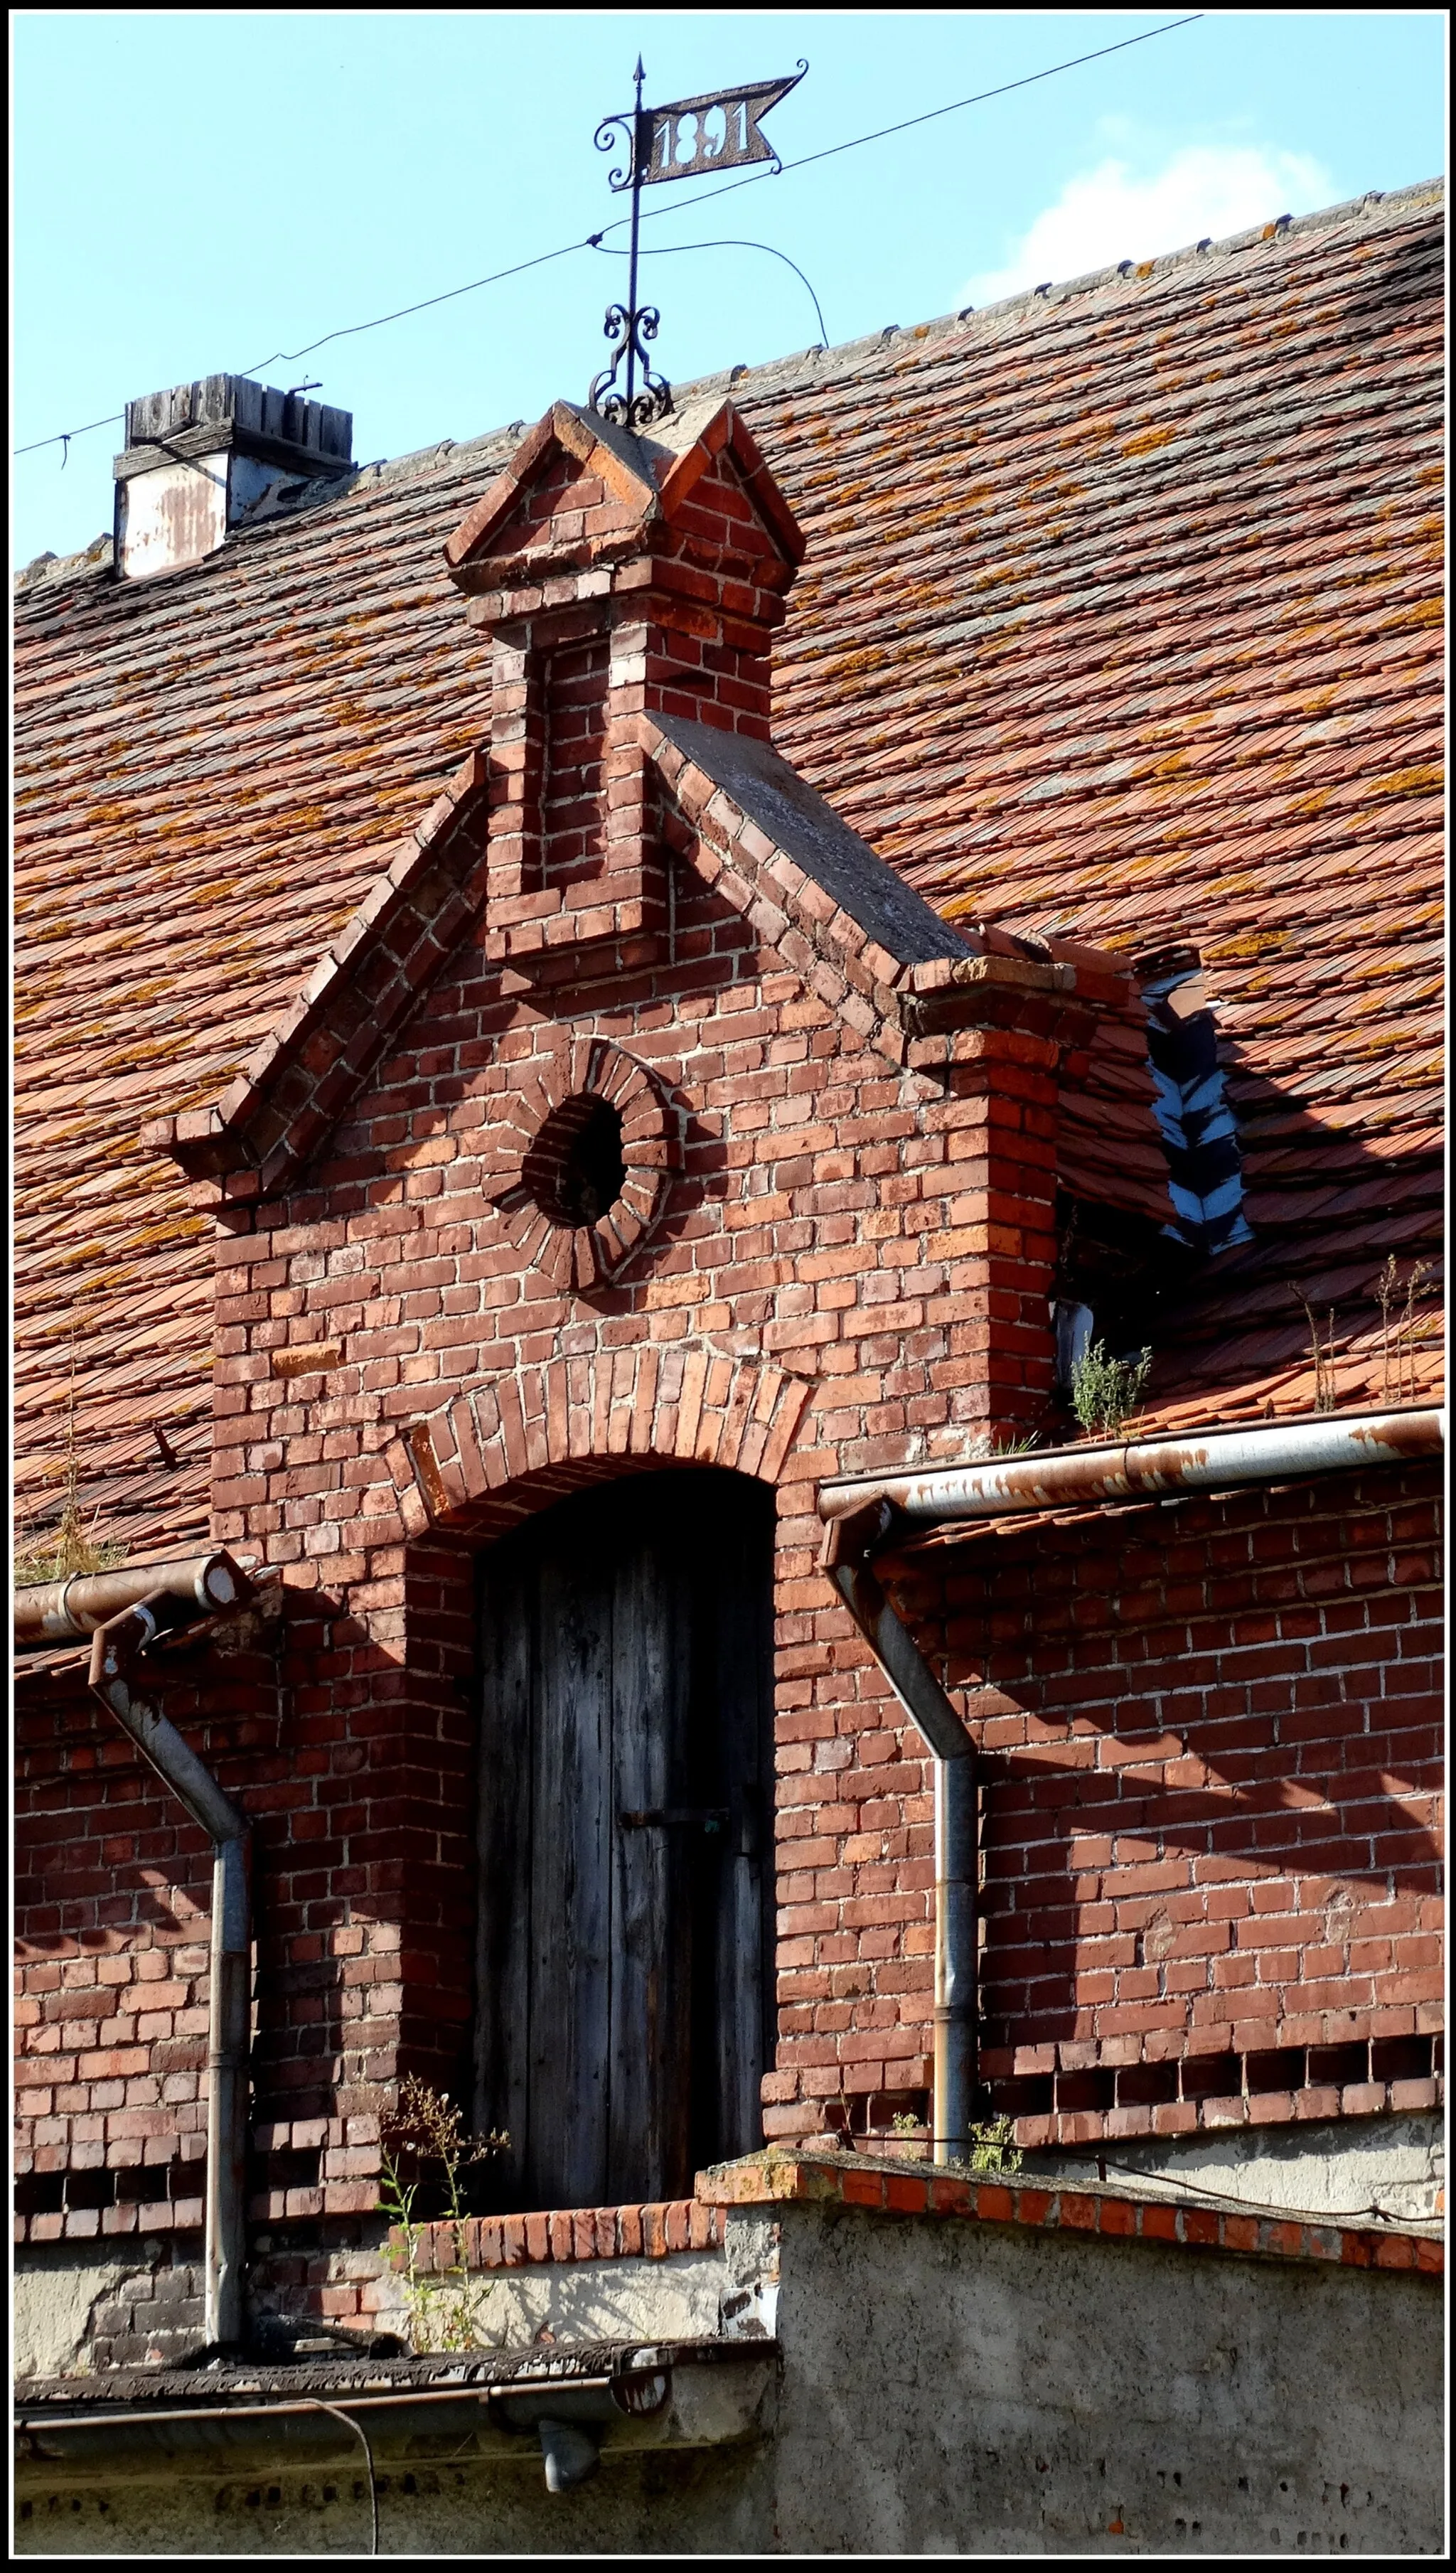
(1110, 213)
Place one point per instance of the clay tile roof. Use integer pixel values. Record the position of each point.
(1118, 617)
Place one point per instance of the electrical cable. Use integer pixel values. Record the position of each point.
(1249, 2206)
(361, 2434)
(680, 250)
(1027, 81)
(350, 331)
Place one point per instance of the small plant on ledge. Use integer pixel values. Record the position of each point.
(1106, 1391)
(422, 2145)
(995, 2152)
(1400, 1339)
(70, 1546)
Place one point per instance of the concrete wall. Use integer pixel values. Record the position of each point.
(1345, 2170)
(946, 2387)
(949, 2388)
(67, 2304)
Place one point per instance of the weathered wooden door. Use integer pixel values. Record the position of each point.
(626, 1855)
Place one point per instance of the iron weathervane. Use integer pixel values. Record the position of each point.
(684, 140)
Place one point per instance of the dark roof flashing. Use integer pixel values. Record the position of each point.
(808, 830)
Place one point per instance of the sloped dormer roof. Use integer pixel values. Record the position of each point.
(1119, 616)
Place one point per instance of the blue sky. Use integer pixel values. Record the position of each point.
(194, 191)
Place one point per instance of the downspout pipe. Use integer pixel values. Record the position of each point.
(115, 1651)
(1212, 1461)
(849, 1544)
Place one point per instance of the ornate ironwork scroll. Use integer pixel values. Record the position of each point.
(627, 327)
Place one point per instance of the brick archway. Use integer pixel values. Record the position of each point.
(513, 1445)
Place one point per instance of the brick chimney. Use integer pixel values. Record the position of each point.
(199, 457)
(614, 576)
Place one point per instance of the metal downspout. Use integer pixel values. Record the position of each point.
(849, 1544)
(114, 1652)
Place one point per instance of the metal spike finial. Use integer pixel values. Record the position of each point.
(629, 326)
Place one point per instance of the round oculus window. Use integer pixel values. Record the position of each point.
(579, 1159)
(576, 1169)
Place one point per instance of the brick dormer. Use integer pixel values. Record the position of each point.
(614, 576)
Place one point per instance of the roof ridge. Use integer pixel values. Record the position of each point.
(1037, 298)
(825, 362)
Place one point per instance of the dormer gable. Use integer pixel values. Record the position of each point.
(629, 736)
(579, 492)
(614, 577)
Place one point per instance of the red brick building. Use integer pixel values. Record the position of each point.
(592, 1008)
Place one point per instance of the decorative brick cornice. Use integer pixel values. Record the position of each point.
(509, 1447)
(648, 2233)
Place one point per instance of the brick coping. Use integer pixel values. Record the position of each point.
(778, 2178)
(788, 2179)
(648, 2233)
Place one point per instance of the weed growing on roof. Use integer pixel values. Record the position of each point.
(423, 2135)
(70, 1546)
(1324, 1360)
(1106, 1391)
(1398, 1344)
(987, 1445)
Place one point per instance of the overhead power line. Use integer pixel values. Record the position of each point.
(350, 331)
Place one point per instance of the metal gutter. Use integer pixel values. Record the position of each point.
(197, 1585)
(1211, 1461)
(569, 2415)
(99, 2434)
(116, 1649)
(849, 1544)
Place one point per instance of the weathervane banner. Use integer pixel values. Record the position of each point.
(691, 137)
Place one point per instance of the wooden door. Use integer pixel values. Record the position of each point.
(626, 1854)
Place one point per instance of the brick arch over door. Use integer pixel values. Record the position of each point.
(514, 1445)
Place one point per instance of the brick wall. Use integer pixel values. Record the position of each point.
(816, 1299)
(113, 1899)
(1211, 1810)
